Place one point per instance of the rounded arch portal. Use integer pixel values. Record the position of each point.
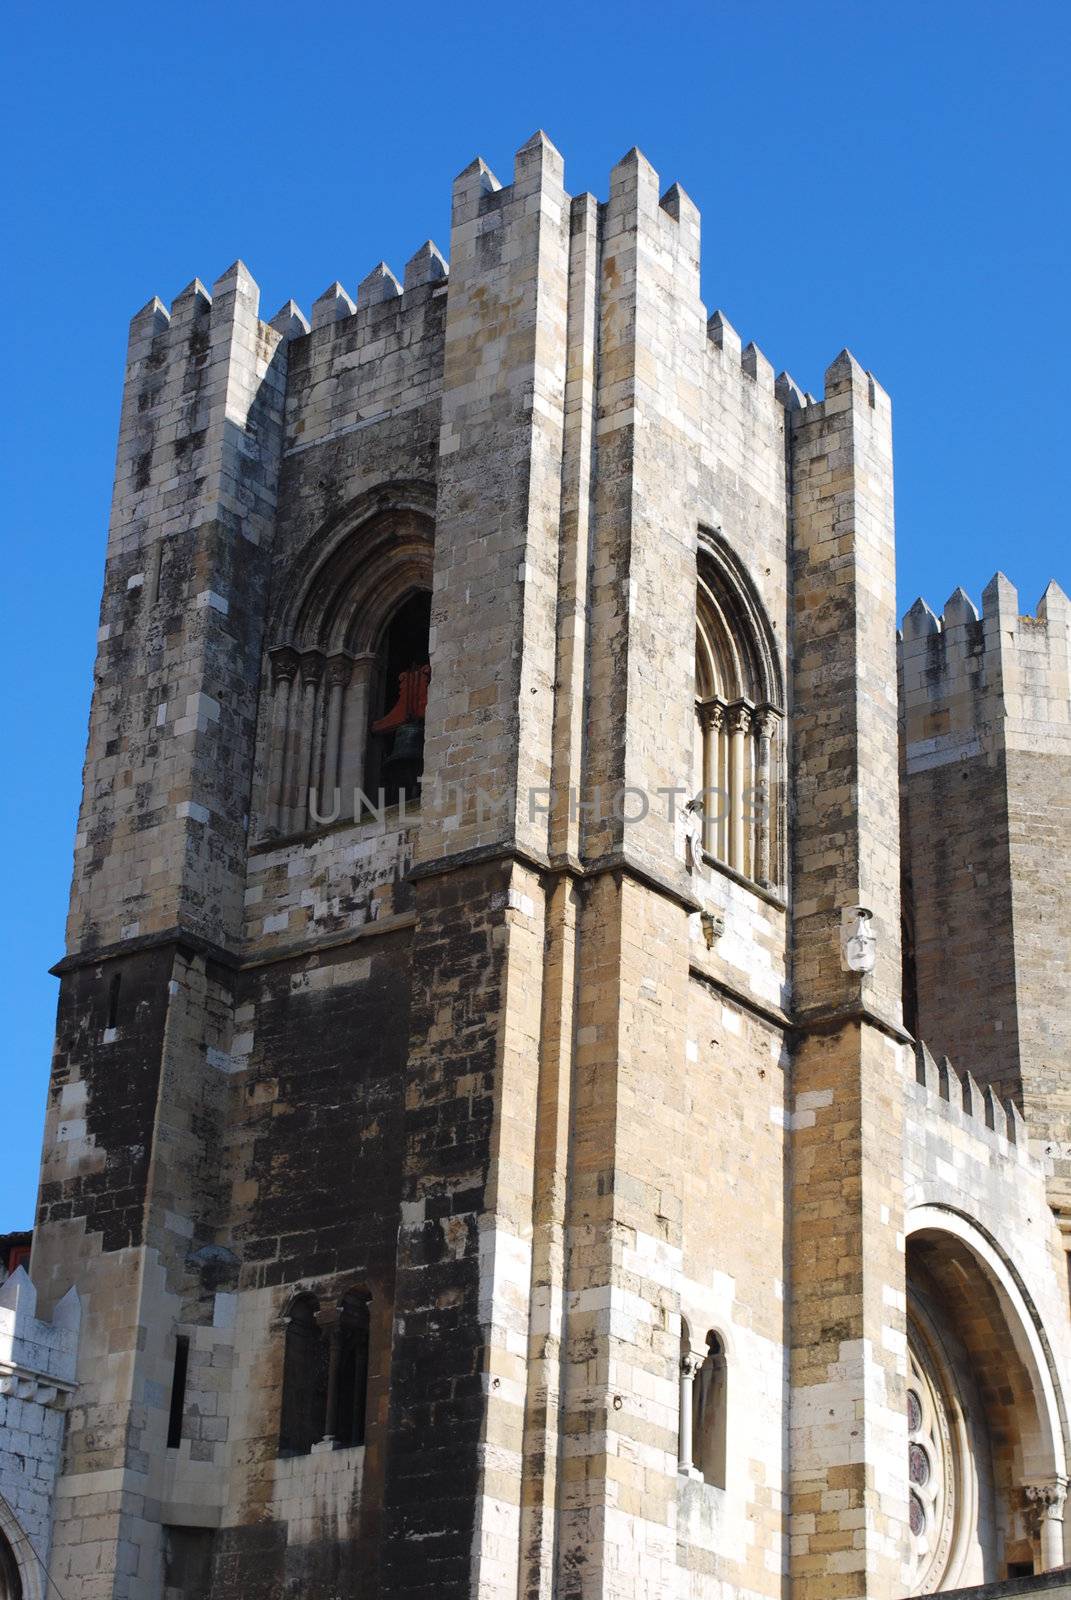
(986, 1418)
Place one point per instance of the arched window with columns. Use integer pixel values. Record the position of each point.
(324, 1399)
(349, 666)
(739, 720)
(701, 1449)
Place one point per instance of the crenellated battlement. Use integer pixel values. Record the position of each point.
(478, 195)
(381, 286)
(982, 1109)
(195, 302)
(1000, 611)
(844, 373)
(966, 674)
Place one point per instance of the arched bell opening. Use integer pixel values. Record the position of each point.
(394, 761)
(352, 622)
(738, 757)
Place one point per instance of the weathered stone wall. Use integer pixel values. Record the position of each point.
(314, 1158)
(37, 1373)
(161, 837)
(733, 1281)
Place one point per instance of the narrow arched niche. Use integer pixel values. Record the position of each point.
(703, 1419)
(348, 1400)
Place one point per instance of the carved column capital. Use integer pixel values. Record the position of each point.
(713, 715)
(339, 671)
(766, 720)
(1045, 1501)
(691, 1361)
(312, 667)
(740, 717)
(327, 1317)
(284, 665)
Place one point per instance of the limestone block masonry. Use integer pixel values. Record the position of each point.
(560, 1084)
(37, 1380)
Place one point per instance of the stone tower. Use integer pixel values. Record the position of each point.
(987, 728)
(484, 1137)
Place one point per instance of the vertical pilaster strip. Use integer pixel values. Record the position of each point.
(542, 1438)
(454, 1476)
(575, 558)
(848, 1429)
(488, 730)
(621, 1349)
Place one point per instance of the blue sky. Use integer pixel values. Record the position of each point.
(888, 176)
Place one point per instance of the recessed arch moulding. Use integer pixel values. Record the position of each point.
(988, 1417)
(326, 661)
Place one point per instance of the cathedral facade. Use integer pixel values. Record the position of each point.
(562, 1082)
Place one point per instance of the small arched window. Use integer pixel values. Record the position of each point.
(304, 1402)
(703, 1409)
(738, 757)
(114, 990)
(351, 1389)
(325, 1373)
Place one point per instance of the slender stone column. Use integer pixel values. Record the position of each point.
(306, 744)
(331, 1323)
(739, 724)
(711, 720)
(284, 665)
(316, 735)
(338, 676)
(724, 797)
(765, 725)
(354, 732)
(691, 1362)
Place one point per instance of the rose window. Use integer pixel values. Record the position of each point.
(931, 1491)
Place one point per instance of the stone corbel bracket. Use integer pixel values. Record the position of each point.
(22, 1383)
